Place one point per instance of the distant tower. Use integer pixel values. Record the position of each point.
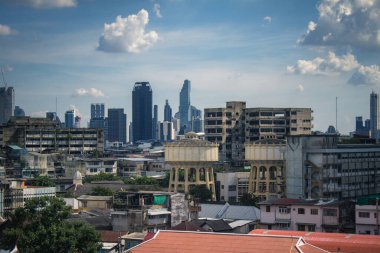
(117, 125)
(142, 111)
(19, 112)
(69, 119)
(374, 114)
(184, 107)
(167, 112)
(97, 111)
(7, 103)
(77, 120)
(191, 160)
(155, 122)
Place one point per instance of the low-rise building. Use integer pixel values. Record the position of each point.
(367, 213)
(95, 166)
(231, 185)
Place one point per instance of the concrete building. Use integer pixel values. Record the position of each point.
(95, 166)
(235, 125)
(374, 115)
(167, 112)
(191, 160)
(142, 111)
(166, 131)
(267, 161)
(42, 134)
(318, 167)
(117, 125)
(230, 186)
(7, 104)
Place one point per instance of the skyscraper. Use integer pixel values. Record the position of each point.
(69, 119)
(142, 111)
(7, 103)
(167, 112)
(117, 125)
(374, 114)
(97, 111)
(19, 112)
(184, 107)
(155, 122)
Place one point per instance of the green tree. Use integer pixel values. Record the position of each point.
(201, 192)
(102, 176)
(42, 181)
(141, 181)
(249, 199)
(101, 191)
(41, 226)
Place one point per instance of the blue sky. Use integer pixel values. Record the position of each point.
(294, 53)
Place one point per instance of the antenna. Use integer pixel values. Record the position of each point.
(2, 73)
(336, 114)
(56, 104)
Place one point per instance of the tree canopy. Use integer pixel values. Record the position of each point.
(101, 191)
(42, 181)
(41, 226)
(249, 199)
(141, 181)
(201, 192)
(102, 176)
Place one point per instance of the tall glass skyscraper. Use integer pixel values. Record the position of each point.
(374, 115)
(69, 119)
(142, 111)
(184, 107)
(97, 111)
(117, 125)
(167, 112)
(155, 122)
(7, 103)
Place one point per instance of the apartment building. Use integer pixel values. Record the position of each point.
(97, 165)
(235, 125)
(367, 213)
(231, 186)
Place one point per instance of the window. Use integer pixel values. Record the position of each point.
(232, 199)
(232, 188)
(330, 212)
(267, 209)
(311, 228)
(283, 225)
(301, 228)
(314, 211)
(301, 211)
(222, 186)
(283, 209)
(364, 214)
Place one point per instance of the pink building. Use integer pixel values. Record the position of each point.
(367, 219)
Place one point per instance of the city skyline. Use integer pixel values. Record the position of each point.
(251, 51)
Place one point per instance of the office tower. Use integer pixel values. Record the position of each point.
(155, 122)
(142, 111)
(184, 107)
(196, 120)
(19, 112)
(69, 119)
(166, 131)
(130, 132)
(7, 103)
(117, 125)
(374, 115)
(358, 124)
(77, 121)
(167, 112)
(97, 111)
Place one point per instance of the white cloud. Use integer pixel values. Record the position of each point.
(157, 10)
(92, 92)
(76, 110)
(7, 68)
(6, 30)
(300, 88)
(268, 19)
(366, 75)
(47, 4)
(128, 34)
(330, 65)
(354, 23)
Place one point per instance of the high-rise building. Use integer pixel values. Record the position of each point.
(77, 121)
(69, 119)
(155, 122)
(142, 111)
(361, 129)
(166, 131)
(97, 111)
(117, 125)
(196, 120)
(185, 108)
(7, 103)
(167, 112)
(19, 112)
(374, 115)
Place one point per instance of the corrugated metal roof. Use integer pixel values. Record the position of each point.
(232, 212)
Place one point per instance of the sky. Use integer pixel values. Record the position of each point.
(269, 53)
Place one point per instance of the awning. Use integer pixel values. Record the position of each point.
(158, 211)
(283, 221)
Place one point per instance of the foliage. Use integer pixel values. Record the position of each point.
(249, 199)
(42, 181)
(41, 226)
(165, 182)
(101, 191)
(201, 192)
(141, 181)
(102, 176)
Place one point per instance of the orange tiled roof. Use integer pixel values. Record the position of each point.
(190, 242)
(333, 242)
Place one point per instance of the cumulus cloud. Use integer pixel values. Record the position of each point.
(6, 30)
(332, 64)
(47, 4)
(157, 10)
(128, 34)
(92, 92)
(76, 110)
(268, 19)
(354, 23)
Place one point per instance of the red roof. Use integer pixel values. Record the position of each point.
(333, 242)
(190, 242)
(110, 236)
(188, 226)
